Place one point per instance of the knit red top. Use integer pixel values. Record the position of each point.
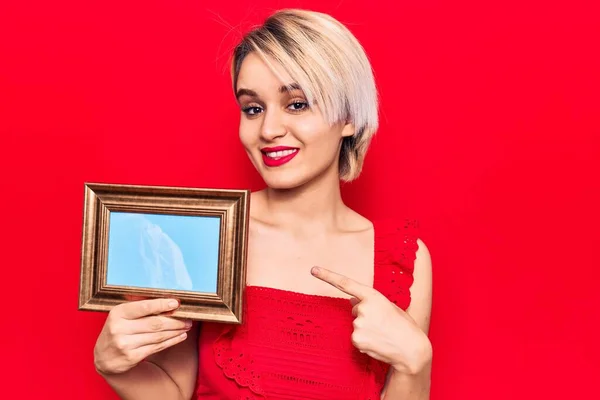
(298, 346)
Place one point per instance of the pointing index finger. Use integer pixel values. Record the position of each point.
(343, 283)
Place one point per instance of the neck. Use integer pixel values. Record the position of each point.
(316, 206)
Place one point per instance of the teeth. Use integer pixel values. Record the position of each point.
(281, 153)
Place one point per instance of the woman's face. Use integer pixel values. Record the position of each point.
(289, 143)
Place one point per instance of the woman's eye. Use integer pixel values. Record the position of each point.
(252, 110)
(298, 105)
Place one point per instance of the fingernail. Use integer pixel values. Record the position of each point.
(173, 303)
(315, 270)
(188, 324)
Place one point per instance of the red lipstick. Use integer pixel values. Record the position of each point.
(277, 160)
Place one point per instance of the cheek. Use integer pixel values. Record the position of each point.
(246, 136)
(319, 139)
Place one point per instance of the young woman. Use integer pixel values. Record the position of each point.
(336, 306)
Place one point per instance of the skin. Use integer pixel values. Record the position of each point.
(299, 221)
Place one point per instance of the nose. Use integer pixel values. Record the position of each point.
(273, 126)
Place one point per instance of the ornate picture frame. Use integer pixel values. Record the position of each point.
(145, 242)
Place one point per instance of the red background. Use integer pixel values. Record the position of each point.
(490, 136)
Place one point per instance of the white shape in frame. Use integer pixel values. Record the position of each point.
(162, 259)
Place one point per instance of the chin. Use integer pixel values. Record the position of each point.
(282, 180)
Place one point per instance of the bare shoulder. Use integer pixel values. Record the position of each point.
(421, 289)
(358, 232)
(356, 222)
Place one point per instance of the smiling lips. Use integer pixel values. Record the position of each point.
(276, 156)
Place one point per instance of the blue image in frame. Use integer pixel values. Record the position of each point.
(159, 251)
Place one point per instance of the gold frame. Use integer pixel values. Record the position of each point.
(232, 206)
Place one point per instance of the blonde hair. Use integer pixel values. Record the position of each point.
(330, 66)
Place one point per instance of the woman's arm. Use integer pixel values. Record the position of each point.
(415, 384)
(378, 324)
(169, 374)
(145, 354)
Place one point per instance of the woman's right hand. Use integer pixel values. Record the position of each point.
(135, 330)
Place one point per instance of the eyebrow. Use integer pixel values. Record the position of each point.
(282, 89)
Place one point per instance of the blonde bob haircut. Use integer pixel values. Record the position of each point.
(329, 64)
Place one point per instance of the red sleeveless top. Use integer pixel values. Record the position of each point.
(297, 346)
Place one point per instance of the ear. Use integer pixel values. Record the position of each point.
(348, 129)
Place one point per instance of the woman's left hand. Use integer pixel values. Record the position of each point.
(381, 329)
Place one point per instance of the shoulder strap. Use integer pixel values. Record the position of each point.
(395, 252)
